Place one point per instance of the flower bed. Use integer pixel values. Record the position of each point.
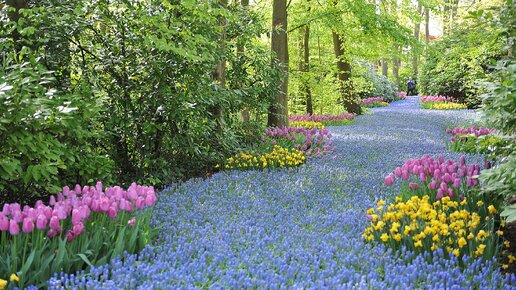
(326, 120)
(440, 103)
(278, 157)
(400, 96)
(82, 227)
(374, 102)
(472, 140)
(306, 124)
(437, 208)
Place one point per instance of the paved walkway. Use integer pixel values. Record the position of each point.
(299, 228)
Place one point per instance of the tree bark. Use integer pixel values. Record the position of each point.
(385, 67)
(14, 16)
(349, 99)
(396, 65)
(454, 10)
(306, 69)
(446, 16)
(244, 114)
(415, 56)
(278, 111)
(427, 27)
(219, 74)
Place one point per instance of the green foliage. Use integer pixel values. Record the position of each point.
(376, 85)
(499, 107)
(455, 65)
(46, 136)
(125, 91)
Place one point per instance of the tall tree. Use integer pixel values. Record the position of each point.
(219, 74)
(245, 115)
(14, 16)
(349, 99)
(427, 27)
(278, 111)
(385, 67)
(396, 64)
(306, 68)
(417, 29)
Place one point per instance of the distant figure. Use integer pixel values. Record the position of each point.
(411, 87)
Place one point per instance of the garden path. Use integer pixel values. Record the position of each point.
(299, 228)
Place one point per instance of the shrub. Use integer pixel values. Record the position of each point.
(48, 138)
(378, 85)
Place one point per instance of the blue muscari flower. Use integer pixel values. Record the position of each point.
(299, 228)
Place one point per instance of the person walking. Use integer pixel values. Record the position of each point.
(411, 87)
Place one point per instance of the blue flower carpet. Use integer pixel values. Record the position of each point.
(298, 228)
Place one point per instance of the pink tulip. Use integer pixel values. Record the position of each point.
(456, 183)
(413, 186)
(76, 216)
(432, 185)
(78, 228)
(54, 224)
(28, 225)
(404, 175)
(111, 212)
(140, 203)
(131, 222)
(51, 233)
(14, 229)
(41, 222)
(4, 223)
(69, 236)
(150, 199)
(422, 177)
(440, 193)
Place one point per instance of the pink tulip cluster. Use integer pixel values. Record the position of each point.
(321, 118)
(77, 204)
(436, 99)
(436, 174)
(461, 133)
(314, 142)
(370, 101)
(401, 95)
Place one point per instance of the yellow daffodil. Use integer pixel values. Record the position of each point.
(418, 244)
(462, 242)
(14, 278)
(491, 209)
(384, 237)
(3, 283)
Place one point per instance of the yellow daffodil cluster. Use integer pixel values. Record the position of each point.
(447, 106)
(278, 157)
(422, 225)
(306, 124)
(13, 278)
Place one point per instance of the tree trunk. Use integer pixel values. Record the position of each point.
(446, 16)
(14, 16)
(385, 67)
(349, 99)
(396, 65)
(306, 70)
(415, 56)
(454, 8)
(278, 111)
(244, 114)
(219, 75)
(427, 27)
